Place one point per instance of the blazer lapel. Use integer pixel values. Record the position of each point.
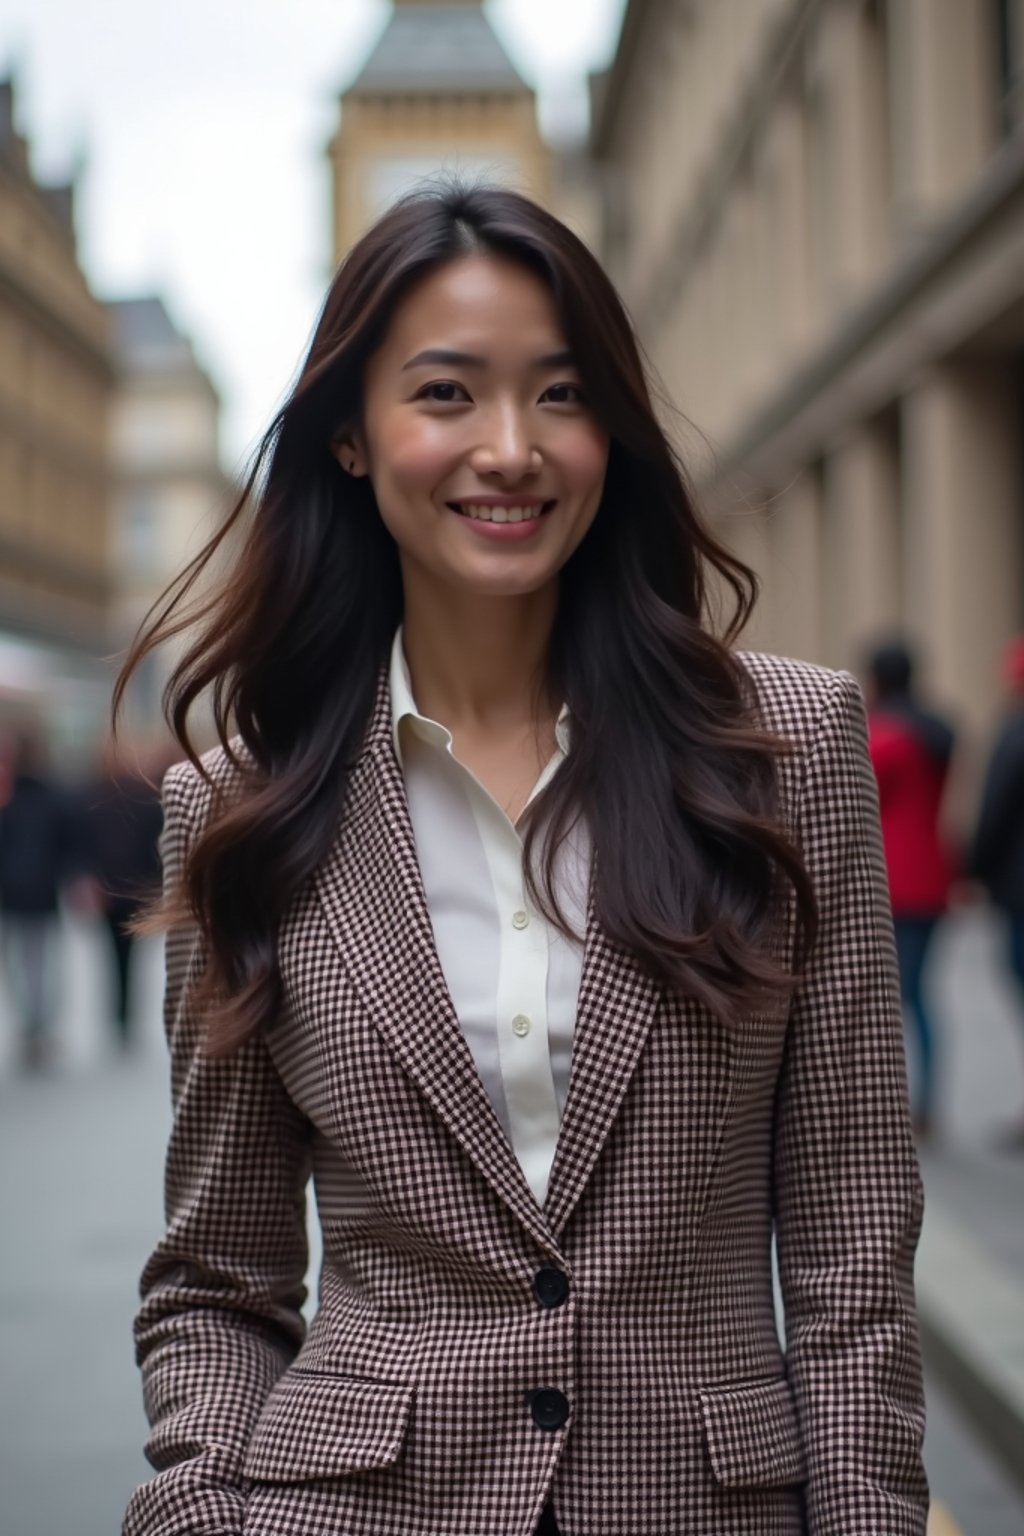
(617, 1004)
(373, 899)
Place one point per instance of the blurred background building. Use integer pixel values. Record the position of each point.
(169, 486)
(109, 467)
(815, 210)
(56, 392)
(437, 93)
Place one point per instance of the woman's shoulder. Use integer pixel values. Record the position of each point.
(793, 696)
(189, 788)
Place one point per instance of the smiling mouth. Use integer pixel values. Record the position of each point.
(509, 514)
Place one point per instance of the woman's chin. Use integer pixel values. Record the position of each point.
(518, 576)
(505, 584)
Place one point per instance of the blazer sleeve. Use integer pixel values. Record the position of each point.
(221, 1295)
(847, 1190)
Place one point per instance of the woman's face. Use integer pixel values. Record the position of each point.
(485, 460)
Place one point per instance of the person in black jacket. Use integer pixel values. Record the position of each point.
(37, 856)
(997, 851)
(120, 828)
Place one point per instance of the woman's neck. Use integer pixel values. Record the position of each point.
(478, 664)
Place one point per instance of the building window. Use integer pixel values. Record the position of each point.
(142, 534)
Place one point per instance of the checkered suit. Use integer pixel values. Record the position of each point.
(408, 1409)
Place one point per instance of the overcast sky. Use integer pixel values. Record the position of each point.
(203, 127)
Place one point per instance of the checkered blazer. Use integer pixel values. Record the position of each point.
(428, 1396)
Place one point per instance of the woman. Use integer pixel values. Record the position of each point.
(550, 935)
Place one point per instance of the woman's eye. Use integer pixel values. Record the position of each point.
(443, 391)
(564, 394)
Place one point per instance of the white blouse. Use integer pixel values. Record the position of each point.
(513, 978)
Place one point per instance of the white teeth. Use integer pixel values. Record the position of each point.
(499, 514)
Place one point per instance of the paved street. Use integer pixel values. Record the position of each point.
(80, 1175)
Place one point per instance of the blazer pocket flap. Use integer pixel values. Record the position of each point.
(753, 1435)
(327, 1426)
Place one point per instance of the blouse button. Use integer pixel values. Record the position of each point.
(520, 1025)
(520, 919)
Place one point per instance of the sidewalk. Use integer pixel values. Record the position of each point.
(970, 1264)
(81, 1170)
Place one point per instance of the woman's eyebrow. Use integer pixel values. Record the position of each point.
(446, 358)
(560, 359)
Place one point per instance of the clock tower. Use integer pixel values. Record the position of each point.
(437, 94)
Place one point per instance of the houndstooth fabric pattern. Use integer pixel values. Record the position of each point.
(410, 1408)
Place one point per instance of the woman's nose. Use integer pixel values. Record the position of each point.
(506, 447)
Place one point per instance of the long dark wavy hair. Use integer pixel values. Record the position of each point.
(676, 780)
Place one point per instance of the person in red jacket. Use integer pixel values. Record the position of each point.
(911, 749)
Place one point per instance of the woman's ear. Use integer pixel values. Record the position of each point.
(350, 454)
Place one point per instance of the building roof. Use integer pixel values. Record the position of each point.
(438, 47)
(146, 339)
(59, 200)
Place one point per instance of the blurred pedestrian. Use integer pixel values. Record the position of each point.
(996, 856)
(120, 829)
(911, 750)
(37, 856)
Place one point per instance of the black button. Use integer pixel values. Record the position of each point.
(550, 1408)
(550, 1287)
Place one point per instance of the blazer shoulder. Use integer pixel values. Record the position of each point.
(793, 696)
(187, 792)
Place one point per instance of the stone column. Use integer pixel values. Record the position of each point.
(745, 530)
(740, 256)
(1014, 108)
(862, 567)
(764, 293)
(791, 227)
(943, 102)
(691, 368)
(719, 382)
(793, 586)
(853, 71)
(964, 534)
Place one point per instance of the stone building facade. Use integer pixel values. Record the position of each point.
(56, 389)
(169, 489)
(437, 93)
(815, 210)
